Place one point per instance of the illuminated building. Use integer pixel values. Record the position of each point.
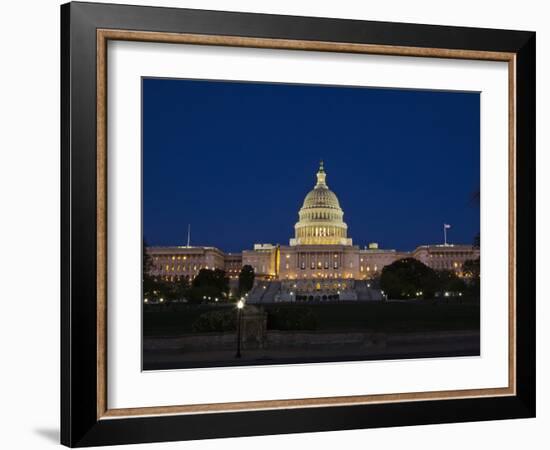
(320, 262)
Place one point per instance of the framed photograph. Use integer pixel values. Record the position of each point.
(277, 224)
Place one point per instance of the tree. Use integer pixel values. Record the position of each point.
(475, 198)
(209, 283)
(146, 258)
(407, 278)
(470, 268)
(149, 283)
(246, 279)
(202, 294)
(449, 281)
(179, 289)
(212, 278)
(471, 271)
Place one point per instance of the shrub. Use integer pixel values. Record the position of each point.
(291, 318)
(215, 321)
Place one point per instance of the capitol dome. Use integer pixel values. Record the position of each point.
(321, 217)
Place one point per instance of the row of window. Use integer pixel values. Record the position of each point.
(182, 268)
(313, 266)
(306, 276)
(323, 216)
(319, 265)
(452, 255)
(320, 232)
(445, 265)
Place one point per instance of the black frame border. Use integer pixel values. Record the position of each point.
(79, 423)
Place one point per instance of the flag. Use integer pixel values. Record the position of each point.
(447, 226)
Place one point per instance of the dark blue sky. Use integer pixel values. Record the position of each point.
(235, 159)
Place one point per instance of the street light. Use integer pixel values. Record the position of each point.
(240, 306)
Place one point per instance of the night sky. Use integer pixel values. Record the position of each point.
(235, 160)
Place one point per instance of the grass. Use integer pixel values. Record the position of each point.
(397, 317)
(383, 317)
(172, 321)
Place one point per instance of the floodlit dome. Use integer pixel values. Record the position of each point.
(321, 197)
(321, 217)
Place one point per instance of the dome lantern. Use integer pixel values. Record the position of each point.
(321, 176)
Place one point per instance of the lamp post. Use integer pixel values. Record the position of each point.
(240, 306)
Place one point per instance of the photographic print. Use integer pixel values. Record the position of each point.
(294, 223)
(293, 207)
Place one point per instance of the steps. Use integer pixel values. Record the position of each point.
(267, 292)
(365, 293)
(264, 292)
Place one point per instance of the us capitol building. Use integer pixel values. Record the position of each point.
(320, 262)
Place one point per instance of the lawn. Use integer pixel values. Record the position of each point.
(397, 317)
(383, 317)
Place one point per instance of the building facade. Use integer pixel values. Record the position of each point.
(174, 263)
(319, 263)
